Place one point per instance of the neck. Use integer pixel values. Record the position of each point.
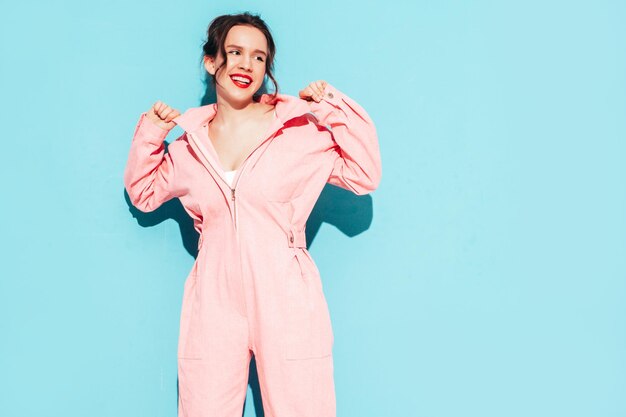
(233, 113)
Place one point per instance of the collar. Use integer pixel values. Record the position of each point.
(287, 107)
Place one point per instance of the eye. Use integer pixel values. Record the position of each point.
(234, 51)
(260, 58)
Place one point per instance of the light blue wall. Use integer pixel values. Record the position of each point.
(490, 283)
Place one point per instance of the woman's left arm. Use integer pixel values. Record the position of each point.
(357, 166)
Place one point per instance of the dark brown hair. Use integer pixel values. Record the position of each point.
(216, 37)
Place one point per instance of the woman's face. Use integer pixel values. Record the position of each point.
(244, 71)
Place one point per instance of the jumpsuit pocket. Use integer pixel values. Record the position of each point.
(188, 345)
(309, 331)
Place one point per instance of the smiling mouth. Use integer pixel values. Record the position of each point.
(241, 81)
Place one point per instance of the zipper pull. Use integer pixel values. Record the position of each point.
(232, 194)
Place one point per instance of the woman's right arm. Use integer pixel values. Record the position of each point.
(150, 175)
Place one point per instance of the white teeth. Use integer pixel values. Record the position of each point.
(241, 79)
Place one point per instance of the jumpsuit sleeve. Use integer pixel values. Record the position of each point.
(150, 174)
(357, 166)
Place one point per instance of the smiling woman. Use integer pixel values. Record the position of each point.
(244, 36)
(249, 169)
(245, 55)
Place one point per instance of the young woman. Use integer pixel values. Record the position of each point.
(249, 170)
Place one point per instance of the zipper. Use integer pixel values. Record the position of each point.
(239, 171)
(236, 180)
(207, 158)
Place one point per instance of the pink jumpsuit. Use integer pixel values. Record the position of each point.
(254, 288)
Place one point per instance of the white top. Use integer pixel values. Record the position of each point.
(230, 176)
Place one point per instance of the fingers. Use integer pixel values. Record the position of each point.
(165, 112)
(306, 93)
(320, 86)
(158, 108)
(314, 91)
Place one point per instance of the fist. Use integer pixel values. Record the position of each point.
(314, 91)
(162, 115)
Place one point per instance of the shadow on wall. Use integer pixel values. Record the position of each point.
(172, 209)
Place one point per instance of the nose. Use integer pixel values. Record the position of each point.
(244, 63)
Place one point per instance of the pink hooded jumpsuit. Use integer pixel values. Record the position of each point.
(254, 288)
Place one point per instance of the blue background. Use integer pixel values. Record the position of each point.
(491, 281)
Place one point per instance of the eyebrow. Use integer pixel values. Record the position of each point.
(237, 46)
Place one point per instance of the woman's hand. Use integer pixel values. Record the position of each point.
(314, 91)
(162, 115)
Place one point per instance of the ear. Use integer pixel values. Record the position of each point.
(209, 64)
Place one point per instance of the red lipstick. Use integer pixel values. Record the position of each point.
(240, 80)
